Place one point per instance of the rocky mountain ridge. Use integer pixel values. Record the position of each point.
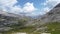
(53, 15)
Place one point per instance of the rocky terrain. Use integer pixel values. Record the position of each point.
(52, 16)
(9, 19)
(50, 21)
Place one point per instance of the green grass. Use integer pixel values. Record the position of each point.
(28, 30)
(53, 27)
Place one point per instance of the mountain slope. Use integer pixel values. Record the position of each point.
(52, 16)
(50, 22)
(9, 20)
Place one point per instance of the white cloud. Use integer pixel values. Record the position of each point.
(8, 2)
(46, 9)
(31, 14)
(4, 4)
(51, 2)
(28, 7)
(15, 9)
(48, 5)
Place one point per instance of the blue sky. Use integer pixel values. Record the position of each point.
(28, 7)
(36, 2)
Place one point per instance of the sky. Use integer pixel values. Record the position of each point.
(28, 7)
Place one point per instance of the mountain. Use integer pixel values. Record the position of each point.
(41, 23)
(49, 22)
(8, 20)
(57, 6)
(52, 16)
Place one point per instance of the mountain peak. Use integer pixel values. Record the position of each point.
(58, 5)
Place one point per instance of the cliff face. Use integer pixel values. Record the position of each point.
(52, 16)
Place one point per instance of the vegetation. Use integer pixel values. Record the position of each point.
(28, 30)
(20, 27)
(53, 27)
(22, 22)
